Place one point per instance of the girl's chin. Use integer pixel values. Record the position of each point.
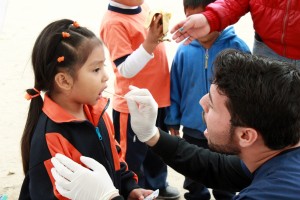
(93, 103)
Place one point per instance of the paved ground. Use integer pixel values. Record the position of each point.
(175, 179)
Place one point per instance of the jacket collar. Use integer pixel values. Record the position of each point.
(59, 115)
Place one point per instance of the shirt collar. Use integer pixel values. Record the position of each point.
(120, 8)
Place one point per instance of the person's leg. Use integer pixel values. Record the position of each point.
(261, 49)
(195, 190)
(297, 63)
(133, 151)
(155, 170)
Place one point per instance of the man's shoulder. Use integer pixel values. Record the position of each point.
(281, 173)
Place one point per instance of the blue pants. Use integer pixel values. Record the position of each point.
(150, 169)
(197, 191)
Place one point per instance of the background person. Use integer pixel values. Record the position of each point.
(276, 35)
(191, 73)
(138, 58)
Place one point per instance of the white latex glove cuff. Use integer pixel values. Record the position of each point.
(148, 137)
(143, 112)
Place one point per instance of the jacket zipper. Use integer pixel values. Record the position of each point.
(97, 128)
(206, 59)
(284, 26)
(98, 133)
(205, 67)
(100, 138)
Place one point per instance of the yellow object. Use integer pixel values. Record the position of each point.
(165, 21)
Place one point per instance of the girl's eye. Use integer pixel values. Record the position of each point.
(97, 69)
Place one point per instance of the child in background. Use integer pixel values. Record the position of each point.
(68, 64)
(138, 58)
(190, 80)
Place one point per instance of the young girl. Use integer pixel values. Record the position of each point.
(68, 64)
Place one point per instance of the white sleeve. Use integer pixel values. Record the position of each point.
(135, 62)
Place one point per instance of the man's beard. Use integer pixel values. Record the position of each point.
(230, 148)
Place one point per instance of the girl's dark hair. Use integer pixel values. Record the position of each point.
(49, 46)
(196, 3)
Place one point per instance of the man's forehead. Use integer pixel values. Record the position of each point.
(215, 95)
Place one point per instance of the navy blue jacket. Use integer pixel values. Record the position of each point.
(57, 131)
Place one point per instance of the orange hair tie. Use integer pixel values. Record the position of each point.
(60, 59)
(65, 34)
(29, 96)
(75, 24)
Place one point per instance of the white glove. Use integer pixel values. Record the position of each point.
(143, 111)
(76, 182)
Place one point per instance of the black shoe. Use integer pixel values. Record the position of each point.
(168, 193)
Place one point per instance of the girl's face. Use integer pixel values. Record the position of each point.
(91, 79)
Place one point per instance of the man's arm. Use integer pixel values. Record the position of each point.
(214, 170)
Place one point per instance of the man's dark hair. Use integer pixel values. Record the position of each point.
(196, 3)
(263, 94)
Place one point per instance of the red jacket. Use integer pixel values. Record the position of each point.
(277, 22)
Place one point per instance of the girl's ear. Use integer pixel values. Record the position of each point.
(64, 81)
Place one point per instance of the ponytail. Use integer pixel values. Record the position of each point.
(35, 109)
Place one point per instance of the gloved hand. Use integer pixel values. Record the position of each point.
(76, 182)
(143, 113)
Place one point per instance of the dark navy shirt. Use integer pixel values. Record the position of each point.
(277, 179)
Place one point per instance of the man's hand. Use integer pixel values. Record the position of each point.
(74, 181)
(143, 113)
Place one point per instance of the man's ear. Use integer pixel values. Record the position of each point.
(246, 136)
(64, 80)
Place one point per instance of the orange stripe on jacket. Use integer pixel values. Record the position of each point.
(123, 133)
(58, 144)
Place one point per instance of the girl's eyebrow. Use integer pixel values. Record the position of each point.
(97, 62)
